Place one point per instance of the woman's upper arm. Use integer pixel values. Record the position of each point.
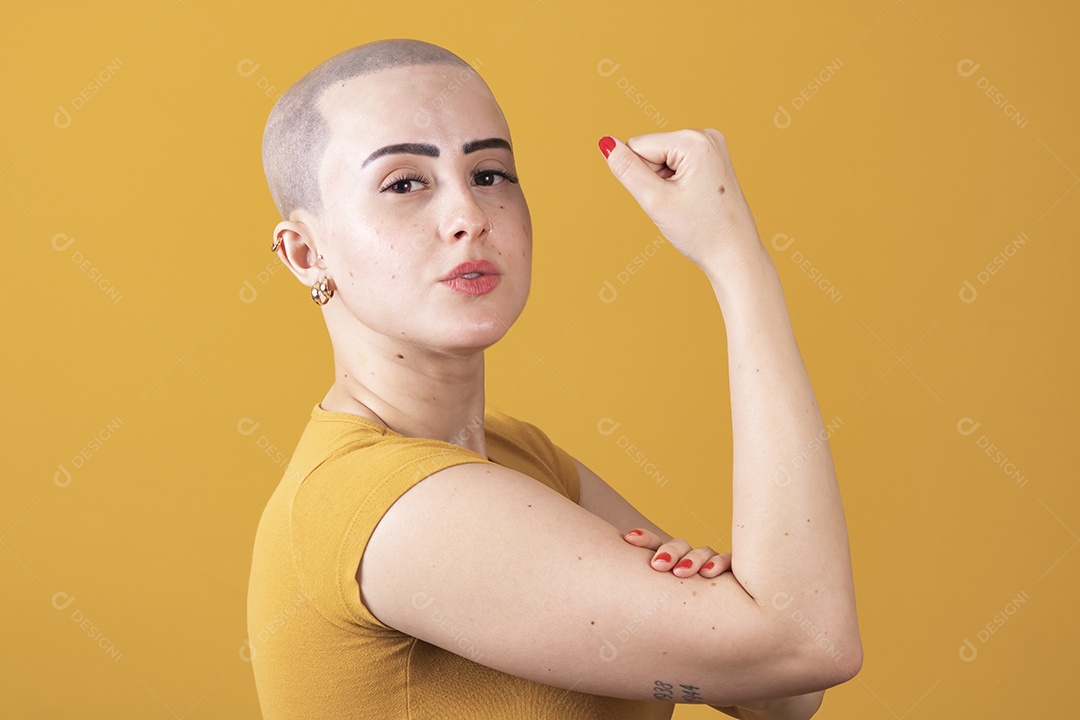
(548, 591)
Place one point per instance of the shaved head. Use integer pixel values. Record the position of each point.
(297, 135)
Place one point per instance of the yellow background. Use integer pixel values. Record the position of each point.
(899, 180)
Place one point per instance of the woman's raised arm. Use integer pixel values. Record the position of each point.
(789, 538)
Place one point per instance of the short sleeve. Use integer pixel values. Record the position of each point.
(335, 511)
(560, 462)
(530, 451)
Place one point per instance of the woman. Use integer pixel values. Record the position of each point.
(426, 556)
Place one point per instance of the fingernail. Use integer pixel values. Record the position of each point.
(635, 532)
(606, 145)
(685, 564)
(708, 566)
(662, 557)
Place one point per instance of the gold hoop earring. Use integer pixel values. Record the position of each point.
(277, 243)
(321, 292)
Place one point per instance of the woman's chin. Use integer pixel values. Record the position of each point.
(473, 331)
(474, 338)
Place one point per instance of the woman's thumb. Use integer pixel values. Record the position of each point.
(632, 170)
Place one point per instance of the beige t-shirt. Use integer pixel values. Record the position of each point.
(316, 650)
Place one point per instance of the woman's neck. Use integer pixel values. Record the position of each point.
(413, 392)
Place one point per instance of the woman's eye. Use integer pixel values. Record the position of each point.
(489, 177)
(402, 186)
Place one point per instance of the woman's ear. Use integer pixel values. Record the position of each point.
(296, 243)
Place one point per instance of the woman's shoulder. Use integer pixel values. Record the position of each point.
(527, 448)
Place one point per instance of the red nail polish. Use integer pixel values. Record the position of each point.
(708, 566)
(635, 532)
(685, 564)
(606, 145)
(662, 557)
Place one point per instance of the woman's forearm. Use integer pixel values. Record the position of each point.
(789, 539)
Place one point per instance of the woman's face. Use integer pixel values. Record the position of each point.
(398, 222)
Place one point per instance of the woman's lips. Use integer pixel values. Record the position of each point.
(475, 277)
(480, 285)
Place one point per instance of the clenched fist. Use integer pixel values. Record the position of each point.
(685, 183)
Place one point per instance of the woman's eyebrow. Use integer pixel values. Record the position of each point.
(433, 151)
(403, 148)
(485, 144)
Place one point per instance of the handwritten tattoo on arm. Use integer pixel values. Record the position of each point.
(667, 691)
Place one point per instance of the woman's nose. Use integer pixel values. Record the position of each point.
(464, 218)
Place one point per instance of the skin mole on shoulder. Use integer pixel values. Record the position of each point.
(721, 191)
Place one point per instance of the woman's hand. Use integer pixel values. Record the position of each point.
(677, 556)
(685, 183)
